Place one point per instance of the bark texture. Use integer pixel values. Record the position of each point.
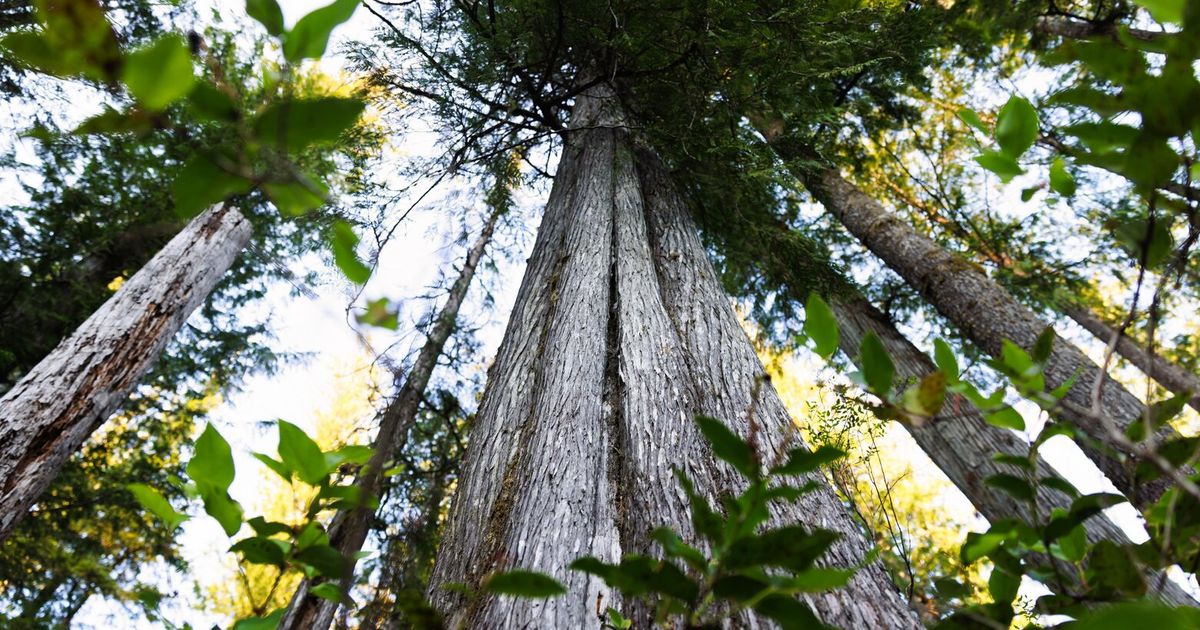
(48, 415)
(349, 531)
(619, 336)
(987, 315)
(1174, 378)
(963, 444)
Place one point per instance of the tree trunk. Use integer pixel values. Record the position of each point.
(619, 336)
(46, 417)
(348, 532)
(1174, 378)
(987, 315)
(963, 444)
(1062, 26)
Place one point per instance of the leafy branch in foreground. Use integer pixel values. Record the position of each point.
(302, 547)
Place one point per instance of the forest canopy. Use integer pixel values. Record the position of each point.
(558, 314)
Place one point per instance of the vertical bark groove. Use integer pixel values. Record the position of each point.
(49, 413)
(610, 413)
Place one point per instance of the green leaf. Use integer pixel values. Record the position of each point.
(1082, 509)
(1016, 127)
(1152, 243)
(201, 183)
(301, 454)
(979, 545)
(737, 587)
(270, 622)
(728, 446)
(1061, 181)
(616, 620)
(156, 504)
(349, 454)
(522, 583)
(296, 124)
(1000, 164)
(802, 461)
(268, 13)
(265, 528)
(971, 118)
(112, 121)
(1017, 487)
(1003, 586)
(1043, 346)
(791, 547)
(279, 467)
(790, 614)
(819, 579)
(1074, 545)
(219, 505)
(328, 591)
(344, 243)
(296, 199)
(160, 73)
(1006, 417)
(212, 104)
(323, 559)
(1060, 484)
(259, 550)
(1165, 10)
(877, 367)
(309, 37)
(211, 465)
(1150, 162)
(821, 326)
(1114, 566)
(674, 547)
(1163, 411)
(943, 357)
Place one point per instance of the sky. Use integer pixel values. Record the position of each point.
(318, 326)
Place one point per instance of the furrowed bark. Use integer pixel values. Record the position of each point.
(1172, 377)
(349, 531)
(963, 444)
(620, 334)
(47, 416)
(987, 315)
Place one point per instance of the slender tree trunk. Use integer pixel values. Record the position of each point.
(348, 533)
(987, 315)
(619, 336)
(47, 416)
(1174, 378)
(963, 444)
(1062, 26)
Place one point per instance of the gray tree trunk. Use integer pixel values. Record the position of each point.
(963, 444)
(47, 416)
(987, 315)
(619, 336)
(1174, 378)
(349, 531)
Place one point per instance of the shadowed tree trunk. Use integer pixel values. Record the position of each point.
(1063, 26)
(48, 414)
(349, 531)
(1174, 378)
(620, 335)
(963, 444)
(983, 311)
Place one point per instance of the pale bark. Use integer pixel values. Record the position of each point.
(1172, 377)
(349, 531)
(963, 444)
(46, 417)
(619, 336)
